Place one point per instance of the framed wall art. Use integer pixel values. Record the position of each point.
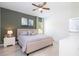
(31, 22)
(24, 21)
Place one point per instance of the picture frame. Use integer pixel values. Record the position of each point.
(31, 22)
(24, 21)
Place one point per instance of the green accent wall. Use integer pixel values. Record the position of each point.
(0, 26)
(12, 19)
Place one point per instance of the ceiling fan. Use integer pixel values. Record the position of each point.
(40, 7)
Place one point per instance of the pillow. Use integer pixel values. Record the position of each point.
(28, 32)
(33, 33)
(23, 33)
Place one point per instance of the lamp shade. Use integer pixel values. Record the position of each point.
(9, 32)
(39, 31)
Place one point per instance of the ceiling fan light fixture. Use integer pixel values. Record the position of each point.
(40, 9)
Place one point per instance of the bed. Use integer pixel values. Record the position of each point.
(31, 41)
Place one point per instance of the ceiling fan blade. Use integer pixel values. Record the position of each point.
(44, 3)
(47, 8)
(35, 5)
(34, 9)
(41, 11)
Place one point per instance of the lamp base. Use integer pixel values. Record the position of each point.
(8, 35)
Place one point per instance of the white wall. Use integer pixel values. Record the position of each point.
(56, 24)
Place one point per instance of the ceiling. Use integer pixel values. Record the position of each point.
(27, 7)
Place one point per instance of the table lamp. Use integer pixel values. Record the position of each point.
(9, 32)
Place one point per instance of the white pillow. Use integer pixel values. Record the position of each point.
(29, 33)
(23, 33)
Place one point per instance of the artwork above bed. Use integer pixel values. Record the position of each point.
(24, 21)
(27, 22)
(31, 22)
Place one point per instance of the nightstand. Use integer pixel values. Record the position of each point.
(9, 41)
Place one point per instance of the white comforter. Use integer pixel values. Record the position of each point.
(24, 39)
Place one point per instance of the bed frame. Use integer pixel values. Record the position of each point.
(35, 45)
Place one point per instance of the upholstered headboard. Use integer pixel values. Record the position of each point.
(27, 30)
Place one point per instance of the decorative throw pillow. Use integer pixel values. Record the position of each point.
(23, 33)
